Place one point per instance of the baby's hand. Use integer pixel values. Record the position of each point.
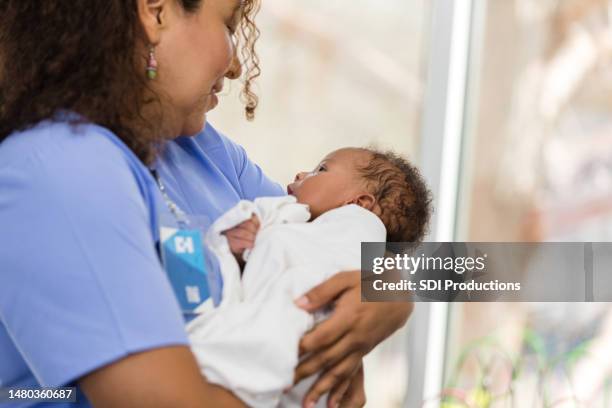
(242, 237)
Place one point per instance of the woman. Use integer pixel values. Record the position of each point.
(90, 91)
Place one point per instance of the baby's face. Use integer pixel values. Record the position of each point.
(333, 183)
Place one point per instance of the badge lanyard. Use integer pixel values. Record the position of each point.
(183, 257)
(179, 214)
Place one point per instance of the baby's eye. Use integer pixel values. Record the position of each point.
(321, 168)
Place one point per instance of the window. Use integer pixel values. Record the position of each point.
(537, 167)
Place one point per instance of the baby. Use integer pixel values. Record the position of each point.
(383, 183)
(249, 344)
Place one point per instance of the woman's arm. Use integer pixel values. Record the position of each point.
(82, 292)
(165, 377)
(338, 345)
(247, 178)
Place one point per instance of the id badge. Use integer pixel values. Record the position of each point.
(189, 267)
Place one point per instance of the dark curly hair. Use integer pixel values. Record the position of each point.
(402, 196)
(79, 56)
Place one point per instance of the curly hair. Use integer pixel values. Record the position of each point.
(247, 38)
(402, 196)
(65, 55)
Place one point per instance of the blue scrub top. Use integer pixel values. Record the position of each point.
(208, 174)
(81, 285)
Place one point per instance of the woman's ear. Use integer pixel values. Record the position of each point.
(153, 16)
(364, 200)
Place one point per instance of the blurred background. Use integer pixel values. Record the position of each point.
(506, 105)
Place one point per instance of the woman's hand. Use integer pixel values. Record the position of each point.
(350, 393)
(242, 237)
(337, 345)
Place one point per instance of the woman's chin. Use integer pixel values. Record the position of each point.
(194, 126)
(196, 122)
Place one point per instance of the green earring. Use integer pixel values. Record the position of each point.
(152, 64)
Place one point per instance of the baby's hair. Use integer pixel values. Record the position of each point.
(402, 197)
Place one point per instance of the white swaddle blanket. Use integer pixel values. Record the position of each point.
(249, 344)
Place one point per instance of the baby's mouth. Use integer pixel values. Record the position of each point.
(289, 190)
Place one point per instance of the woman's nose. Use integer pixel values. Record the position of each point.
(235, 69)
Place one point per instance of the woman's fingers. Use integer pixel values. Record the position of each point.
(327, 291)
(355, 396)
(326, 333)
(335, 375)
(325, 358)
(337, 393)
(338, 344)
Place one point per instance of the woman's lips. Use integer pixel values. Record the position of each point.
(213, 101)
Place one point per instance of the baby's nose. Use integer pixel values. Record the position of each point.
(300, 176)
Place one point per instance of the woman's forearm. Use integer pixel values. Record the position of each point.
(164, 377)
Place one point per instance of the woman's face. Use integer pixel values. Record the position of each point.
(194, 51)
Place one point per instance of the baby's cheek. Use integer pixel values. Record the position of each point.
(305, 197)
(301, 197)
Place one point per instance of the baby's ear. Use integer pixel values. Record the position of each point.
(364, 200)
